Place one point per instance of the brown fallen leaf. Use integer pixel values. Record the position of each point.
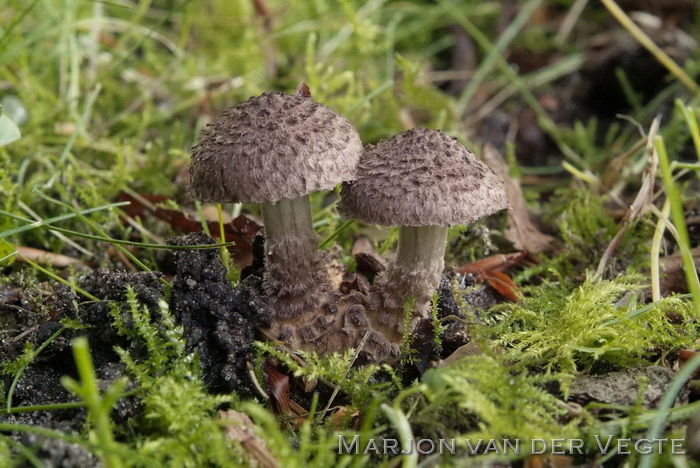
(498, 262)
(520, 230)
(240, 230)
(239, 428)
(282, 403)
(44, 257)
(490, 269)
(369, 262)
(673, 277)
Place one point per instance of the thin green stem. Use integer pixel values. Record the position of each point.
(678, 218)
(496, 52)
(19, 373)
(336, 233)
(48, 221)
(111, 240)
(91, 396)
(664, 409)
(100, 231)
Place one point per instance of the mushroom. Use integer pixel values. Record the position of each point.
(422, 181)
(274, 150)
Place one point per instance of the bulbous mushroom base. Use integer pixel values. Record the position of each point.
(295, 279)
(337, 326)
(413, 275)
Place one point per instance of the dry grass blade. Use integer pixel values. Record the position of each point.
(655, 50)
(642, 202)
(239, 428)
(44, 257)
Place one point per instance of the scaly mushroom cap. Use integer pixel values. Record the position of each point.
(421, 178)
(271, 147)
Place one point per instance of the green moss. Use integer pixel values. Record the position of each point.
(180, 426)
(482, 397)
(587, 228)
(358, 383)
(565, 328)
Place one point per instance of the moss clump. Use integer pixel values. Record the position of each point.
(481, 397)
(565, 328)
(358, 383)
(179, 425)
(587, 228)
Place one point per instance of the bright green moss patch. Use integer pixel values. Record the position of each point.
(567, 328)
(483, 397)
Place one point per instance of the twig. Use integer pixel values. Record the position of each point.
(337, 387)
(642, 202)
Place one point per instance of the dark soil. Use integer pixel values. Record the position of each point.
(479, 297)
(218, 321)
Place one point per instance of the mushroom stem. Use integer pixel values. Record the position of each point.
(295, 278)
(414, 273)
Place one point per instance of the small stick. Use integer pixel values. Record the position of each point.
(337, 387)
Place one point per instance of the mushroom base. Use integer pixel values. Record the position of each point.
(295, 279)
(413, 274)
(336, 327)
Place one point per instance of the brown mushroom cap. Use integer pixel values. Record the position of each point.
(271, 147)
(421, 178)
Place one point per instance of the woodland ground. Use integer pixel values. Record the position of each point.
(573, 316)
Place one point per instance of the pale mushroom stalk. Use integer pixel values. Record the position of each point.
(414, 273)
(294, 273)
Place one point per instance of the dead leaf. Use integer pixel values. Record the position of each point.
(503, 284)
(282, 403)
(239, 428)
(44, 257)
(240, 230)
(498, 262)
(369, 262)
(490, 269)
(520, 229)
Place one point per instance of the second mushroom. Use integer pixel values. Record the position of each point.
(423, 181)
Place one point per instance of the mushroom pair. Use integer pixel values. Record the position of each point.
(274, 150)
(277, 148)
(422, 181)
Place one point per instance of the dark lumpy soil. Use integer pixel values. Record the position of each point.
(35, 316)
(479, 297)
(219, 321)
